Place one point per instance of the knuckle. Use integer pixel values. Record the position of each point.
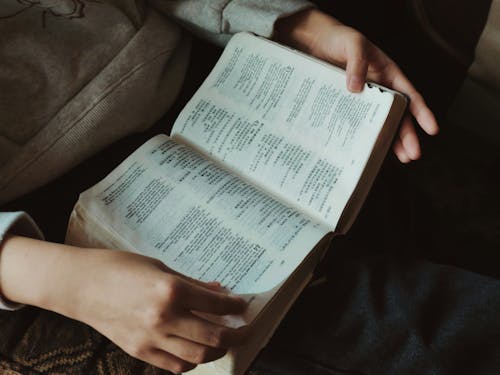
(179, 367)
(161, 286)
(168, 289)
(154, 317)
(215, 338)
(358, 45)
(137, 350)
(172, 289)
(358, 38)
(218, 338)
(201, 355)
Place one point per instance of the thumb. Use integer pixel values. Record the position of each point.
(211, 285)
(203, 299)
(357, 62)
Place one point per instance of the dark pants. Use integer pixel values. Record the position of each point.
(413, 288)
(389, 315)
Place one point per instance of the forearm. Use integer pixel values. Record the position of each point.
(303, 29)
(40, 273)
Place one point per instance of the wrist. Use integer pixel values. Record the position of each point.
(39, 273)
(302, 30)
(293, 30)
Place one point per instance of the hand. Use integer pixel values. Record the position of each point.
(326, 38)
(146, 309)
(135, 301)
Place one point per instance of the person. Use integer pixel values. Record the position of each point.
(76, 75)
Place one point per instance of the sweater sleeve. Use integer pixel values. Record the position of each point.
(217, 20)
(21, 224)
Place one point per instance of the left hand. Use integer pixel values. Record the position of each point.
(326, 38)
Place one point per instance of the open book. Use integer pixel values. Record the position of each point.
(269, 159)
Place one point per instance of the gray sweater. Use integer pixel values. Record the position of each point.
(76, 75)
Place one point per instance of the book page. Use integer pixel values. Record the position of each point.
(169, 202)
(287, 123)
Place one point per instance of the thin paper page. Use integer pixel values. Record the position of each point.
(172, 204)
(287, 123)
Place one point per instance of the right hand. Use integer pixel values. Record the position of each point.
(137, 302)
(146, 309)
(325, 37)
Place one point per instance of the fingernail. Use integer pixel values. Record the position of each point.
(356, 83)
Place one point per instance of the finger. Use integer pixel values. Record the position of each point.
(215, 286)
(214, 302)
(212, 285)
(203, 332)
(418, 108)
(400, 152)
(357, 63)
(190, 351)
(167, 361)
(409, 139)
(424, 115)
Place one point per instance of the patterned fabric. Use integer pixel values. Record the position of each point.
(40, 342)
